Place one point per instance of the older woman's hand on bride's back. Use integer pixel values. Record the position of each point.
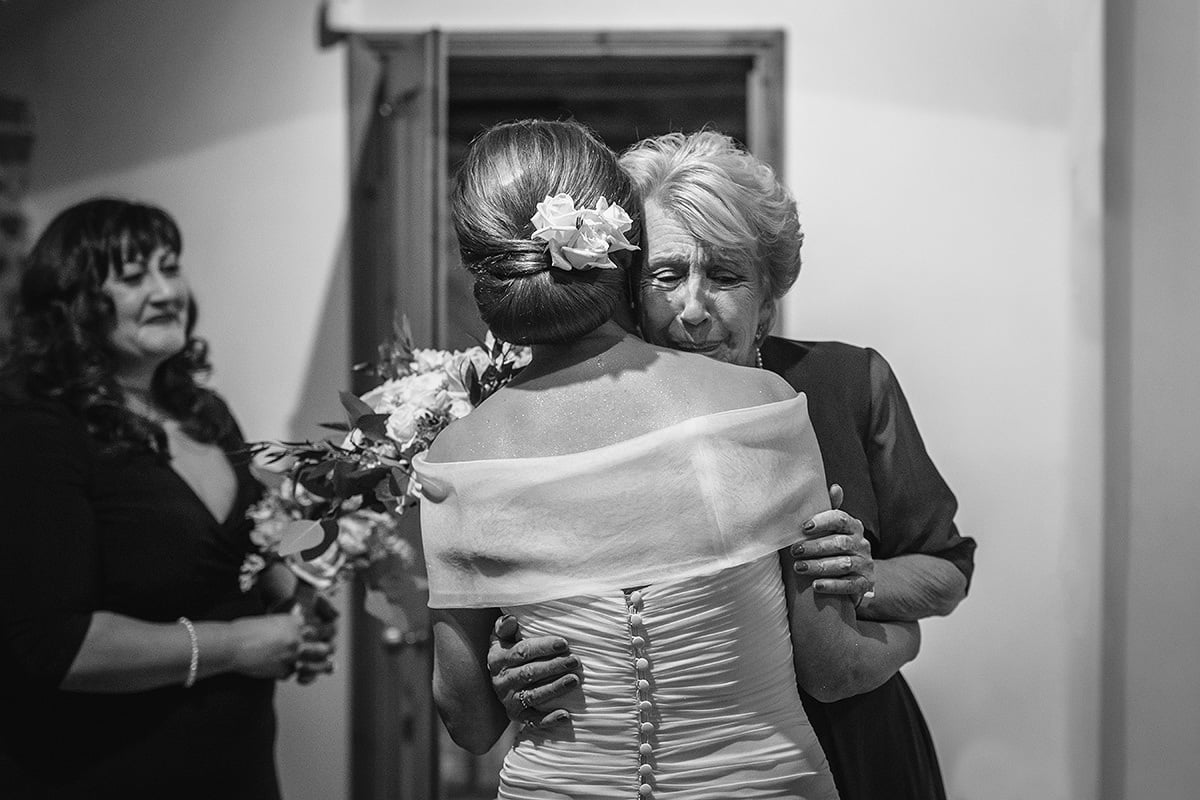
(835, 552)
(529, 674)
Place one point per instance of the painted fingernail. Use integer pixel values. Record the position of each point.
(797, 549)
(560, 646)
(808, 526)
(572, 680)
(571, 663)
(558, 716)
(801, 566)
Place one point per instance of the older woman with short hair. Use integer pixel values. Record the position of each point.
(723, 246)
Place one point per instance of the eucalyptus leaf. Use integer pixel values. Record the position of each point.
(363, 481)
(329, 534)
(354, 406)
(318, 470)
(300, 536)
(373, 426)
(316, 478)
(406, 337)
(474, 390)
(267, 477)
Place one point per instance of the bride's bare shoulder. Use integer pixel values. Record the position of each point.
(726, 383)
(475, 435)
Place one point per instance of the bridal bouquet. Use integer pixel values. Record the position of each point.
(336, 509)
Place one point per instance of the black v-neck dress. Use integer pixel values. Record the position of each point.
(79, 533)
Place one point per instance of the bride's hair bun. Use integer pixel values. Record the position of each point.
(507, 171)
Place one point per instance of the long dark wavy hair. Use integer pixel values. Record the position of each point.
(61, 348)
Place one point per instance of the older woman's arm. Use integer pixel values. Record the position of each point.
(924, 566)
(921, 567)
(914, 587)
(836, 655)
(462, 684)
(837, 557)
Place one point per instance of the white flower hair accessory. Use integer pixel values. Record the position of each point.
(581, 238)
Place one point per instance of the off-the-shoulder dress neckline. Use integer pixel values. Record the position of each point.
(607, 448)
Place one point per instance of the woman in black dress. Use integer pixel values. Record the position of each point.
(723, 245)
(131, 663)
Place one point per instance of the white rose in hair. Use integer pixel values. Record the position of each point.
(555, 219)
(581, 238)
(589, 247)
(617, 223)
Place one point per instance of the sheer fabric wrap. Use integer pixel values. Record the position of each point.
(693, 498)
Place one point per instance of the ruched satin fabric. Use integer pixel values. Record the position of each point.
(728, 720)
(710, 492)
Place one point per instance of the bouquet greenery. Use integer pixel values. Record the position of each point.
(335, 509)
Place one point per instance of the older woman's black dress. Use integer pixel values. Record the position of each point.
(877, 743)
(79, 533)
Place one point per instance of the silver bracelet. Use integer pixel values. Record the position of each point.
(194, 664)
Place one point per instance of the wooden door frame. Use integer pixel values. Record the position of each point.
(397, 119)
(397, 162)
(764, 48)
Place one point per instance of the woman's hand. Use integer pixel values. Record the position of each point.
(835, 553)
(527, 674)
(267, 646)
(316, 654)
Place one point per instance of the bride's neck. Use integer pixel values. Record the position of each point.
(550, 357)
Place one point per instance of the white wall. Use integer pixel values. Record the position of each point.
(945, 157)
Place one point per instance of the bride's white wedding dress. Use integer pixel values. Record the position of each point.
(656, 559)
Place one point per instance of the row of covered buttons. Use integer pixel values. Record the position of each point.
(645, 706)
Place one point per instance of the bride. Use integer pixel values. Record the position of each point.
(628, 498)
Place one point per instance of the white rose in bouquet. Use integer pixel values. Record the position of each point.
(428, 360)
